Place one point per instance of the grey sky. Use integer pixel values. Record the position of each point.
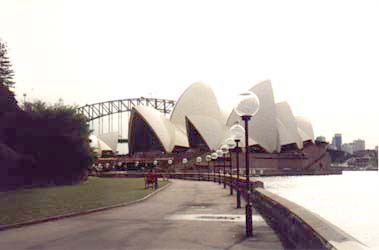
(322, 56)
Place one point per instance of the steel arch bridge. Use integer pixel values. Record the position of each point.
(101, 109)
(98, 111)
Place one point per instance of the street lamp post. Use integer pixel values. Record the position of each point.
(208, 159)
(231, 145)
(24, 100)
(184, 162)
(169, 167)
(198, 161)
(237, 132)
(247, 107)
(224, 149)
(155, 162)
(219, 154)
(214, 158)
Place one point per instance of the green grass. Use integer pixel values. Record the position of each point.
(37, 203)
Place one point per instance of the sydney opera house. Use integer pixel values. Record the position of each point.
(278, 138)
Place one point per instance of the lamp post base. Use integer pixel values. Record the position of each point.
(249, 221)
(238, 199)
(224, 181)
(231, 186)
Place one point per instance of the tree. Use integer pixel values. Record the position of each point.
(8, 102)
(6, 71)
(52, 143)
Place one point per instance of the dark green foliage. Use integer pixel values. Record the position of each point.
(6, 72)
(54, 138)
(42, 144)
(8, 102)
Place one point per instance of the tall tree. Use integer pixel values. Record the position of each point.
(6, 71)
(8, 102)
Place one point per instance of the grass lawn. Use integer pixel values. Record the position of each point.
(36, 203)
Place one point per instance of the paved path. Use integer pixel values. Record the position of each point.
(187, 215)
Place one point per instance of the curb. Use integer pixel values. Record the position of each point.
(94, 210)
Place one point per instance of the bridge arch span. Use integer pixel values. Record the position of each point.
(101, 109)
(107, 114)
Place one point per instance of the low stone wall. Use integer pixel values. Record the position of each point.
(291, 172)
(301, 228)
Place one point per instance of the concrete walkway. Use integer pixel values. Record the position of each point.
(187, 215)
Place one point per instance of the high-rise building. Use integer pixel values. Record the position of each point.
(359, 145)
(337, 141)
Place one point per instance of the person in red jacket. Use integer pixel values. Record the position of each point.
(151, 178)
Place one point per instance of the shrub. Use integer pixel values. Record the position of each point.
(51, 139)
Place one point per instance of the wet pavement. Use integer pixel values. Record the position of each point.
(186, 215)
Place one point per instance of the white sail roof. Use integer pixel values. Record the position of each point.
(168, 133)
(274, 125)
(181, 139)
(262, 127)
(305, 126)
(287, 126)
(199, 104)
(210, 129)
(265, 132)
(197, 99)
(98, 145)
(161, 126)
(111, 139)
(302, 134)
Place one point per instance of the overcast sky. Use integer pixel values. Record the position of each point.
(321, 56)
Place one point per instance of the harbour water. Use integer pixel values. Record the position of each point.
(349, 201)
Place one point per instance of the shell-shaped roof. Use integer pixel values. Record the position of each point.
(199, 104)
(262, 126)
(274, 125)
(181, 138)
(168, 133)
(98, 145)
(210, 129)
(287, 126)
(111, 139)
(161, 126)
(305, 128)
(265, 132)
(197, 99)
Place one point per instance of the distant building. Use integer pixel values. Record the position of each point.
(359, 145)
(337, 141)
(348, 148)
(376, 149)
(321, 138)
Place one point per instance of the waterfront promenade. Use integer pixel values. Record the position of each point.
(186, 215)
